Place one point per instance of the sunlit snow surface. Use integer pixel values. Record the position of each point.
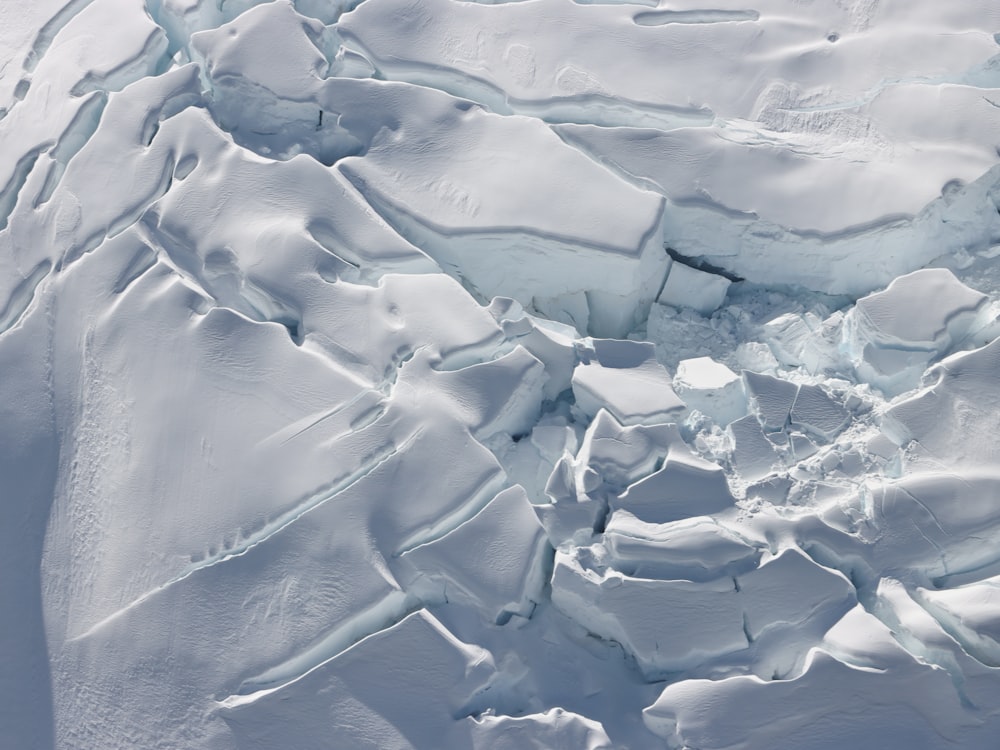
(546, 374)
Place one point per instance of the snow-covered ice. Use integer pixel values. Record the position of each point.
(548, 374)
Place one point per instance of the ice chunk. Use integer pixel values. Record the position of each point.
(625, 378)
(494, 559)
(753, 454)
(770, 398)
(816, 413)
(789, 591)
(971, 613)
(426, 677)
(695, 549)
(711, 388)
(894, 334)
(555, 729)
(618, 455)
(685, 486)
(805, 340)
(666, 625)
(830, 705)
(689, 287)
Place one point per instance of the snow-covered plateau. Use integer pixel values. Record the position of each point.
(542, 374)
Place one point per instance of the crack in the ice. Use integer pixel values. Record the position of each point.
(269, 529)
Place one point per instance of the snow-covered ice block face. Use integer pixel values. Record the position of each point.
(885, 708)
(893, 335)
(696, 549)
(935, 525)
(971, 614)
(689, 287)
(421, 665)
(711, 388)
(771, 399)
(507, 227)
(624, 378)
(556, 729)
(685, 486)
(817, 99)
(955, 419)
(781, 610)
(494, 560)
(667, 625)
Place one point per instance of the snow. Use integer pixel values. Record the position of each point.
(549, 374)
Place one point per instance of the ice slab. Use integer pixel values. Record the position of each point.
(689, 287)
(624, 378)
(552, 730)
(695, 549)
(779, 610)
(915, 706)
(685, 486)
(893, 335)
(438, 674)
(495, 559)
(711, 388)
(955, 418)
(666, 625)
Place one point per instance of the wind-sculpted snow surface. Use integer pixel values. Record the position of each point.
(545, 374)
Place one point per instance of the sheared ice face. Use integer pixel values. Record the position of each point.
(460, 374)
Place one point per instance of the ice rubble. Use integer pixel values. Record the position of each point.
(327, 417)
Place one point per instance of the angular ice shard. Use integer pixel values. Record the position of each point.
(771, 399)
(817, 414)
(689, 287)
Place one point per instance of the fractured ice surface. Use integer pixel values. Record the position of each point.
(549, 374)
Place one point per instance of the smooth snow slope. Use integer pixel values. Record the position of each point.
(542, 374)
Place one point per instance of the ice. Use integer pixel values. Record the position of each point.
(362, 705)
(625, 378)
(552, 730)
(550, 374)
(695, 549)
(494, 558)
(817, 414)
(667, 625)
(685, 486)
(689, 287)
(711, 388)
(893, 335)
